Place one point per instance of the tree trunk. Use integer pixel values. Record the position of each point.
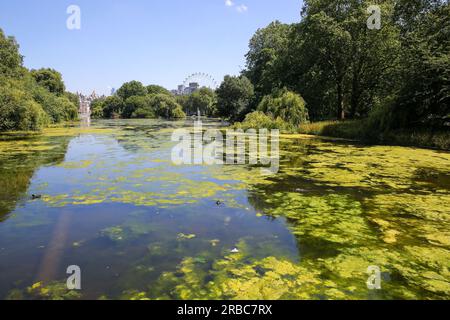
(340, 102)
(354, 103)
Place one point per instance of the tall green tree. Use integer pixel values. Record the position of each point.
(138, 107)
(234, 97)
(49, 79)
(10, 58)
(423, 97)
(166, 107)
(113, 107)
(265, 57)
(132, 88)
(204, 100)
(156, 89)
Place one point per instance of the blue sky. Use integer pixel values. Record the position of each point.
(153, 41)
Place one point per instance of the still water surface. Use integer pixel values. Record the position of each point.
(111, 201)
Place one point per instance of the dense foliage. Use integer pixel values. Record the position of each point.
(234, 97)
(286, 105)
(30, 100)
(134, 100)
(203, 100)
(397, 76)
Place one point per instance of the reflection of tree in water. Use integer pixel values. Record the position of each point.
(19, 159)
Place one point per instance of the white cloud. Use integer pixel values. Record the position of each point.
(229, 3)
(242, 8)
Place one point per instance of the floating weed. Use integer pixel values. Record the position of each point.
(76, 165)
(45, 291)
(333, 217)
(182, 236)
(115, 234)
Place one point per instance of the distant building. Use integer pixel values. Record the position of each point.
(183, 90)
(85, 103)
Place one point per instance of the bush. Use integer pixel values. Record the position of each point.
(259, 120)
(287, 105)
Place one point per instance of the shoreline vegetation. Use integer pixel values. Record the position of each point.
(355, 130)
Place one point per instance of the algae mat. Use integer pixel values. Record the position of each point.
(111, 201)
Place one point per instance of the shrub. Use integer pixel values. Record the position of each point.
(259, 120)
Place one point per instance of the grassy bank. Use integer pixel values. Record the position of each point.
(358, 130)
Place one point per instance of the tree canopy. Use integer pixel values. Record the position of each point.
(49, 79)
(30, 100)
(234, 97)
(132, 88)
(343, 69)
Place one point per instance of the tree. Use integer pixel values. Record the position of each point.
(203, 100)
(10, 58)
(138, 107)
(30, 100)
(286, 105)
(73, 98)
(58, 108)
(113, 107)
(166, 107)
(424, 87)
(234, 96)
(264, 58)
(49, 79)
(132, 88)
(97, 107)
(155, 89)
(18, 111)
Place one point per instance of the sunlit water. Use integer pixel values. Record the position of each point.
(110, 200)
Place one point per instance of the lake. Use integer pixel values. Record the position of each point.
(108, 198)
